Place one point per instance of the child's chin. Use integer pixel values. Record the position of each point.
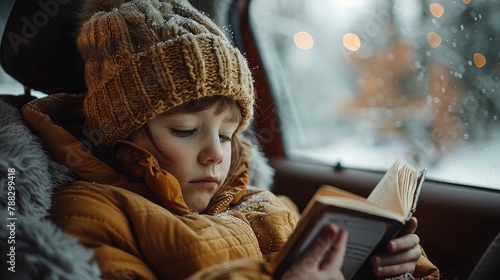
(198, 207)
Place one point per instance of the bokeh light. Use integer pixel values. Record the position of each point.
(437, 10)
(479, 60)
(303, 40)
(351, 41)
(434, 39)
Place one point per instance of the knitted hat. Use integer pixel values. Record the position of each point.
(145, 57)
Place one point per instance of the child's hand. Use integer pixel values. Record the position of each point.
(402, 256)
(324, 259)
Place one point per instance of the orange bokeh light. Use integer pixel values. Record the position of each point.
(437, 10)
(434, 39)
(479, 60)
(351, 41)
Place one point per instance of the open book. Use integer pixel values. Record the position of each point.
(371, 222)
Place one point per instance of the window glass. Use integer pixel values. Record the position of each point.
(363, 82)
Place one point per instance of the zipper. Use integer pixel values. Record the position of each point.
(226, 200)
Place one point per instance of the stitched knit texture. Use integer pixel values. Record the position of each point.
(145, 57)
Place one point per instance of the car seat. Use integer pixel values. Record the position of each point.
(38, 50)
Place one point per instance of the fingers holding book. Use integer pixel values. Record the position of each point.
(324, 258)
(402, 253)
(333, 256)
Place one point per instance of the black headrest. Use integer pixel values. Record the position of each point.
(38, 46)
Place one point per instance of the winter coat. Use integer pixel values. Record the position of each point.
(138, 225)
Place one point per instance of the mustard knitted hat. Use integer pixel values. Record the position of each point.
(145, 57)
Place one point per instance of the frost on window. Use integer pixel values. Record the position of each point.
(363, 82)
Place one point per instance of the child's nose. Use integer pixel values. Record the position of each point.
(211, 151)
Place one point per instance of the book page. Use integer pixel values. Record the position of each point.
(364, 235)
(408, 187)
(386, 193)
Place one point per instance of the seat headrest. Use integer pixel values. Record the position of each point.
(38, 46)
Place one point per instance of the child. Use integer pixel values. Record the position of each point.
(162, 175)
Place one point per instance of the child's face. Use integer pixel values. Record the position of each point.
(196, 149)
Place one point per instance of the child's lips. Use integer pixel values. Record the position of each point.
(208, 182)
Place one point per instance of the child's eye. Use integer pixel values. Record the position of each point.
(224, 138)
(182, 133)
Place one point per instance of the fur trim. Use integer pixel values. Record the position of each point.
(261, 173)
(23, 151)
(42, 251)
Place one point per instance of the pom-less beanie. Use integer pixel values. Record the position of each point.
(145, 57)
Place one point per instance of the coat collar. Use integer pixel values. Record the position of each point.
(144, 168)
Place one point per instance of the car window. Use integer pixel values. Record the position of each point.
(361, 83)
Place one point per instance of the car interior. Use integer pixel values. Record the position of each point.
(458, 221)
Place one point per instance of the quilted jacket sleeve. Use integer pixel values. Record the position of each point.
(100, 226)
(271, 220)
(425, 269)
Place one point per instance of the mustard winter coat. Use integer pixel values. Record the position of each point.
(140, 227)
